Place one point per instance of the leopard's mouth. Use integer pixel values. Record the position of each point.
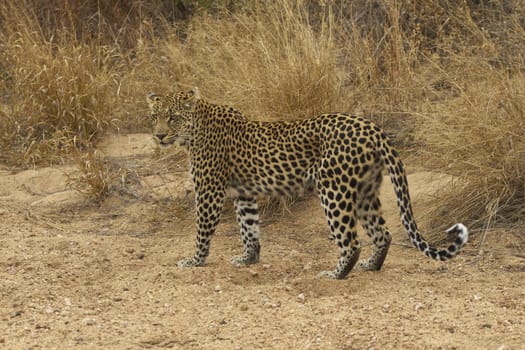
(165, 142)
(162, 142)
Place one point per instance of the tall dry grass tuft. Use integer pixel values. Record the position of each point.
(95, 177)
(56, 91)
(480, 140)
(274, 60)
(381, 56)
(473, 127)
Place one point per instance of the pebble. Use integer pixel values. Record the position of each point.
(418, 306)
(275, 305)
(270, 304)
(301, 298)
(16, 313)
(476, 297)
(89, 321)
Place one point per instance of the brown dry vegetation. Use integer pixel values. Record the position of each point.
(445, 78)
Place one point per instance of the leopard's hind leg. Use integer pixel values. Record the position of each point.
(370, 215)
(337, 202)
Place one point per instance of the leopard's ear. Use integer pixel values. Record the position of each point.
(195, 92)
(152, 98)
(193, 96)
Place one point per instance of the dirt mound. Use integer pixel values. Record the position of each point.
(78, 275)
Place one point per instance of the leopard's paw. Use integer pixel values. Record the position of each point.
(190, 262)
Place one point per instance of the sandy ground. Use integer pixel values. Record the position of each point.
(74, 274)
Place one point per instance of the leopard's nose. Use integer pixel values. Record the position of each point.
(160, 136)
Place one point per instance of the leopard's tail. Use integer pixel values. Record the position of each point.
(398, 177)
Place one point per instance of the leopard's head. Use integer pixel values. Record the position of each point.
(172, 116)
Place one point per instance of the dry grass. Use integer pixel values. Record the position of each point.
(480, 140)
(472, 124)
(445, 78)
(57, 90)
(269, 61)
(94, 177)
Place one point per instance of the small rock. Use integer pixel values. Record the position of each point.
(78, 339)
(217, 288)
(89, 321)
(270, 304)
(244, 307)
(266, 266)
(418, 306)
(253, 272)
(476, 297)
(67, 301)
(507, 323)
(301, 298)
(307, 266)
(16, 313)
(275, 305)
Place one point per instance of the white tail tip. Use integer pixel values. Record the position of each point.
(461, 231)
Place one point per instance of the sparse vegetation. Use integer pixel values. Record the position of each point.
(445, 78)
(95, 177)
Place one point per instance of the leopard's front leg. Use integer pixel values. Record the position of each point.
(248, 220)
(209, 203)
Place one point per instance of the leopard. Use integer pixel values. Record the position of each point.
(234, 157)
